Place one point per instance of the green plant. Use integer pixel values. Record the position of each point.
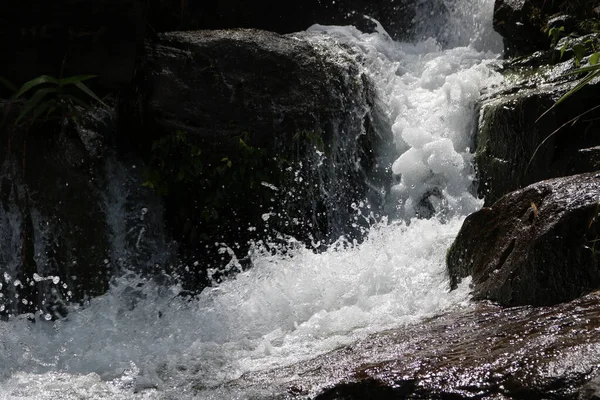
(591, 72)
(43, 98)
(174, 159)
(49, 96)
(555, 34)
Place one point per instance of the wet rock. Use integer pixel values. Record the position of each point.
(517, 146)
(521, 24)
(396, 16)
(591, 391)
(287, 130)
(482, 352)
(524, 24)
(53, 222)
(535, 246)
(71, 215)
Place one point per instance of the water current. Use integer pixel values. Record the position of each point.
(143, 341)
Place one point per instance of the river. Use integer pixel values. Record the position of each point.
(143, 341)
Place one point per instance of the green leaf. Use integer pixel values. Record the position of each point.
(42, 108)
(74, 80)
(587, 68)
(579, 51)
(74, 99)
(594, 58)
(584, 81)
(33, 102)
(40, 80)
(563, 49)
(87, 91)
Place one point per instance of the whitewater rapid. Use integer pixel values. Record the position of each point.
(144, 340)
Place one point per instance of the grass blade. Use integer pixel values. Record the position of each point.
(87, 91)
(33, 102)
(35, 82)
(584, 81)
(73, 80)
(587, 68)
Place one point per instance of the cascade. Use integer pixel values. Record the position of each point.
(144, 338)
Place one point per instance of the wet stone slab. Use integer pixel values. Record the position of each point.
(483, 352)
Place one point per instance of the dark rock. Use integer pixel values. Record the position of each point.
(69, 217)
(53, 222)
(535, 246)
(482, 352)
(309, 117)
(521, 24)
(397, 17)
(525, 24)
(516, 146)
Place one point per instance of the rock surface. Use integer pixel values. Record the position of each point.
(316, 145)
(484, 352)
(521, 139)
(397, 17)
(70, 216)
(525, 24)
(535, 246)
(521, 23)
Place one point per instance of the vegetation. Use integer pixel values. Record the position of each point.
(47, 96)
(44, 99)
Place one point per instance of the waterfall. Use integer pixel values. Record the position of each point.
(146, 339)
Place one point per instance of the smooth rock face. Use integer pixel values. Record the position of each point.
(299, 102)
(535, 246)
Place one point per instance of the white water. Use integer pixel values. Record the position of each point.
(142, 340)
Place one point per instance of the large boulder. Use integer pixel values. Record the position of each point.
(275, 129)
(521, 139)
(535, 246)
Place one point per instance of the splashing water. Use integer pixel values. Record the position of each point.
(144, 339)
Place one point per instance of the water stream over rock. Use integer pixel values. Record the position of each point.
(353, 321)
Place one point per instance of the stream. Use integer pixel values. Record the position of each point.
(298, 322)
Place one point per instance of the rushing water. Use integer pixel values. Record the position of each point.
(143, 340)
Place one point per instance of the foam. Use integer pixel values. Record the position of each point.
(144, 340)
